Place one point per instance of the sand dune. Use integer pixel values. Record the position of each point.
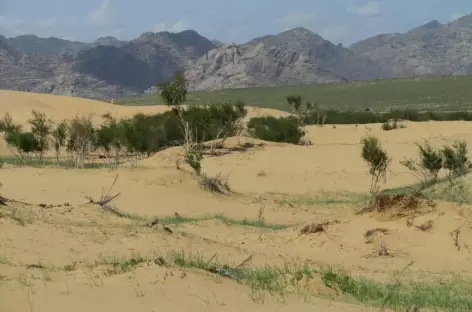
(60, 252)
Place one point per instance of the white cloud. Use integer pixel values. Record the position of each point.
(295, 19)
(371, 8)
(457, 16)
(105, 14)
(178, 26)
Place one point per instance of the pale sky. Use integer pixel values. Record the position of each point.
(344, 21)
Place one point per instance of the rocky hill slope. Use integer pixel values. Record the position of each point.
(291, 57)
(104, 69)
(431, 49)
(110, 68)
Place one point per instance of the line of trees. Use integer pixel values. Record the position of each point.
(136, 137)
(184, 125)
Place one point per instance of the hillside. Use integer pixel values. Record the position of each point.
(452, 93)
(431, 49)
(101, 70)
(109, 68)
(291, 57)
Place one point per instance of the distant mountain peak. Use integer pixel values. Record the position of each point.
(297, 31)
(464, 21)
(434, 24)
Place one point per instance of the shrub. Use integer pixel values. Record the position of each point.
(377, 160)
(25, 143)
(430, 160)
(429, 165)
(456, 159)
(284, 129)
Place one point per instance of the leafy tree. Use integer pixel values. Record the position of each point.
(174, 93)
(456, 159)
(377, 159)
(7, 125)
(59, 138)
(295, 102)
(429, 165)
(41, 128)
(25, 143)
(81, 139)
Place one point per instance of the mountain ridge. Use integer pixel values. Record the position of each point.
(108, 68)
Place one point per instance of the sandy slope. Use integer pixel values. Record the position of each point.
(288, 185)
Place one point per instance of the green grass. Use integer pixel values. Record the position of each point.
(174, 220)
(445, 296)
(457, 192)
(436, 93)
(452, 295)
(46, 162)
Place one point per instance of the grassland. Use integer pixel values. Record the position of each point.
(436, 93)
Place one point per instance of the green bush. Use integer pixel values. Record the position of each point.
(377, 160)
(284, 129)
(24, 142)
(456, 159)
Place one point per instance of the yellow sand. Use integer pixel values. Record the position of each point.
(290, 185)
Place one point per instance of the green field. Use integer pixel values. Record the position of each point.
(436, 94)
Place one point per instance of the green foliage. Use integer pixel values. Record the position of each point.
(455, 158)
(284, 129)
(450, 93)
(174, 92)
(24, 142)
(377, 159)
(430, 159)
(41, 128)
(7, 125)
(214, 121)
(193, 159)
(59, 138)
(81, 139)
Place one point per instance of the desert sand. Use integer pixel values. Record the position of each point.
(58, 252)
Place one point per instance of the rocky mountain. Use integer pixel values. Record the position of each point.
(431, 49)
(110, 68)
(107, 68)
(291, 57)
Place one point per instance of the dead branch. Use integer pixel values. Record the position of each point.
(106, 199)
(428, 225)
(455, 237)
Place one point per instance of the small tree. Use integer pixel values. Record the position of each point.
(25, 143)
(41, 128)
(295, 101)
(456, 159)
(59, 137)
(429, 165)
(377, 159)
(174, 93)
(7, 125)
(81, 139)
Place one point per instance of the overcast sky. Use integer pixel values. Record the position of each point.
(344, 21)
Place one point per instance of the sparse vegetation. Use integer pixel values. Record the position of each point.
(284, 129)
(377, 159)
(448, 94)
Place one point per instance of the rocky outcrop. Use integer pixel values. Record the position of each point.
(292, 57)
